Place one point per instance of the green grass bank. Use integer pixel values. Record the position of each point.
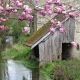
(57, 70)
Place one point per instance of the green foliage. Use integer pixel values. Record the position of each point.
(62, 70)
(31, 63)
(47, 70)
(18, 51)
(22, 53)
(15, 27)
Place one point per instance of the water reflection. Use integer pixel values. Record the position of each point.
(3, 70)
(14, 70)
(18, 72)
(35, 74)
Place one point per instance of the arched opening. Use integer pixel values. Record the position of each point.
(66, 51)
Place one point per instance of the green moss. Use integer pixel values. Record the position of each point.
(40, 33)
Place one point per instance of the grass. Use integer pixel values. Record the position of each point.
(61, 70)
(17, 51)
(22, 53)
(57, 70)
(47, 70)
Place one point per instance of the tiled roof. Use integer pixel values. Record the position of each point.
(41, 32)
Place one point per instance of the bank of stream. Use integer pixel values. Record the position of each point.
(15, 70)
(12, 68)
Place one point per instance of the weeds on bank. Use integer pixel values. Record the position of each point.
(61, 70)
(57, 70)
(22, 53)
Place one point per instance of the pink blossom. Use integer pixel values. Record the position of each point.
(23, 14)
(49, 12)
(64, 12)
(1, 9)
(72, 14)
(25, 6)
(25, 30)
(62, 30)
(56, 1)
(57, 10)
(27, 9)
(52, 30)
(14, 11)
(18, 3)
(77, 15)
(20, 18)
(42, 12)
(49, 1)
(74, 44)
(2, 28)
(53, 21)
(2, 20)
(59, 24)
(12, 3)
(63, 7)
(38, 8)
(7, 12)
(29, 17)
(47, 7)
(8, 7)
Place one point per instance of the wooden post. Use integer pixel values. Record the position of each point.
(33, 23)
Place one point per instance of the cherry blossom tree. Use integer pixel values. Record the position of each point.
(30, 13)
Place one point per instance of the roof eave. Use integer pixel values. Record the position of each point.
(40, 40)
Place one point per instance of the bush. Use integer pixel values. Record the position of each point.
(67, 70)
(61, 70)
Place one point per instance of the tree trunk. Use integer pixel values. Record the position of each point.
(33, 24)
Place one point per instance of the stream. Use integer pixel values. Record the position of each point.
(14, 70)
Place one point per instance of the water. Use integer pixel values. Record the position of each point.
(14, 70)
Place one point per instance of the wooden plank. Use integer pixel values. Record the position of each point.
(53, 42)
(72, 26)
(41, 53)
(52, 47)
(60, 46)
(65, 25)
(69, 25)
(46, 50)
(50, 51)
